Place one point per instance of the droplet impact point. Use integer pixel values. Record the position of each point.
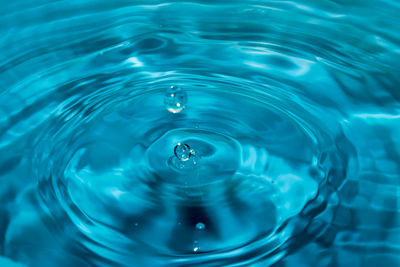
(175, 99)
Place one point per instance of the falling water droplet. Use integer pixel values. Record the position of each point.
(196, 246)
(200, 226)
(183, 152)
(175, 99)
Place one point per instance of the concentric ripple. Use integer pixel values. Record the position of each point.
(241, 133)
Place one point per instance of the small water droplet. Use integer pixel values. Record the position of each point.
(183, 152)
(200, 226)
(175, 99)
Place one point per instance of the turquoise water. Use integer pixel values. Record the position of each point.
(201, 133)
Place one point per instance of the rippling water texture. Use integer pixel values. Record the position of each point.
(202, 133)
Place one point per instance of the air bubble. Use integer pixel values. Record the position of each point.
(175, 99)
(183, 152)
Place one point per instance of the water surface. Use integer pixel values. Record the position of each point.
(201, 133)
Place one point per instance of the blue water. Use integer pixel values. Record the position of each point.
(201, 133)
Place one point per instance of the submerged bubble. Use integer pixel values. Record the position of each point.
(200, 226)
(175, 99)
(183, 152)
